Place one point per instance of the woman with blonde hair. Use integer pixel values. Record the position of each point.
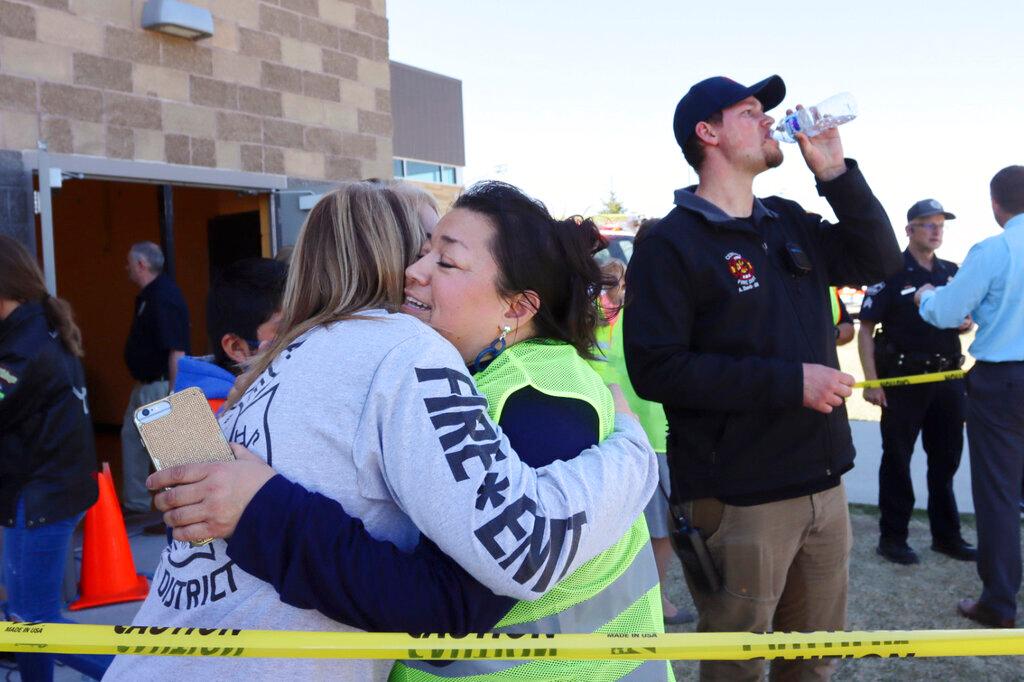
(371, 408)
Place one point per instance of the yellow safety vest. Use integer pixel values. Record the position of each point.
(616, 591)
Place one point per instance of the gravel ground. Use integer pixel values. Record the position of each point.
(886, 596)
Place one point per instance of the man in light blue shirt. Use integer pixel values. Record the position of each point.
(989, 287)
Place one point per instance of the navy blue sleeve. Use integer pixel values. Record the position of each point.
(318, 557)
(544, 428)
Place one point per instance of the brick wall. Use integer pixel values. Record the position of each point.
(295, 87)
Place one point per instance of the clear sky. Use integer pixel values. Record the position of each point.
(571, 98)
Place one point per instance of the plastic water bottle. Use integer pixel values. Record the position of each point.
(833, 112)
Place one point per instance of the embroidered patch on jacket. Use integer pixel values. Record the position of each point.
(742, 270)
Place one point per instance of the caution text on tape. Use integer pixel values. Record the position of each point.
(220, 643)
(912, 379)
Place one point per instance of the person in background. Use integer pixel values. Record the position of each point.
(612, 296)
(421, 202)
(988, 288)
(47, 451)
(158, 339)
(907, 345)
(728, 325)
(844, 323)
(243, 310)
(610, 363)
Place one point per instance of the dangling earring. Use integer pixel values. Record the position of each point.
(492, 351)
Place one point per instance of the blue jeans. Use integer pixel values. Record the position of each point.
(33, 572)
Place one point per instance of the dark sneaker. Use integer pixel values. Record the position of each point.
(959, 550)
(897, 552)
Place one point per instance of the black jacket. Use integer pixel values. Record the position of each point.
(719, 326)
(159, 326)
(47, 451)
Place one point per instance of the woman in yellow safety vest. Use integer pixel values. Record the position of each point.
(499, 262)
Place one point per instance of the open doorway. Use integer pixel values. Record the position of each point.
(95, 222)
(231, 238)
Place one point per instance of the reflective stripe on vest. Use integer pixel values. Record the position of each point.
(592, 614)
(615, 592)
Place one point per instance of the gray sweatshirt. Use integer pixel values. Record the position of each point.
(381, 415)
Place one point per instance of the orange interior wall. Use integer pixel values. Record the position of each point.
(95, 223)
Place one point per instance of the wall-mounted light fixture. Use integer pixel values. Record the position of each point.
(177, 19)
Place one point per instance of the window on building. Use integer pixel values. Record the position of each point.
(425, 172)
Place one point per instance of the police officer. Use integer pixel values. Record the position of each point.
(908, 345)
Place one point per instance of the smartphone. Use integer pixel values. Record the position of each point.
(181, 429)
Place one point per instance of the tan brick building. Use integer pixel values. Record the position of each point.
(203, 146)
(289, 87)
(112, 134)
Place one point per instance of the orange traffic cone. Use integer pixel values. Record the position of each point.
(108, 570)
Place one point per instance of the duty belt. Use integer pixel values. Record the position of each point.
(925, 362)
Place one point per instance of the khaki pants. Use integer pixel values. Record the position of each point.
(135, 462)
(784, 567)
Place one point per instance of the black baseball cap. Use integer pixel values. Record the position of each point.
(718, 92)
(928, 207)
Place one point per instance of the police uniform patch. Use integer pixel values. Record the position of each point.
(742, 270)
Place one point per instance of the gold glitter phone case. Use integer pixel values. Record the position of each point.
(181, 429)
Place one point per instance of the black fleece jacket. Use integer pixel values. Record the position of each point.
(47, 453)
(720, 323)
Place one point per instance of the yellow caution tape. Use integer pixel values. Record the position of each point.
(913, 379)
(156, 641)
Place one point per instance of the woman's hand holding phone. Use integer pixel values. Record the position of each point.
(207, 500)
